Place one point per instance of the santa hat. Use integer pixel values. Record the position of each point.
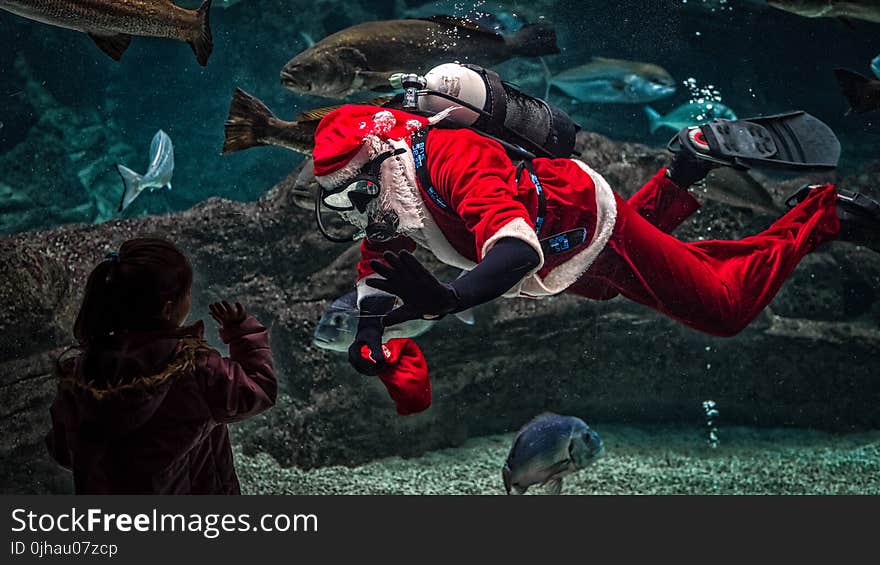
(406, 376)
(351, 136)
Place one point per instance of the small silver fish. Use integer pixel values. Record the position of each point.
(615, 81)
(158, 174)
(546, 450)
(690, 114)
(338, 325)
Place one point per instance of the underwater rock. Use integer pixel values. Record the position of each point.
(608, 361)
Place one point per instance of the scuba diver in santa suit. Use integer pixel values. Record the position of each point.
(552, 226)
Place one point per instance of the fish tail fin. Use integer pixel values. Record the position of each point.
(654, 119)
(203, 44)
(131, 182)
(534, 40)
(854, 87)
(248, 122)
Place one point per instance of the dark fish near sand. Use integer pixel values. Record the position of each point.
(112, 23)
(867, 10)
(252, 124)
(546, 450)
(862, 92)
(364, 56)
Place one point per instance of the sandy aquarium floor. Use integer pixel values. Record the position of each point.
(636, 461)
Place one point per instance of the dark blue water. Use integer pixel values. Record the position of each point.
(761, 60)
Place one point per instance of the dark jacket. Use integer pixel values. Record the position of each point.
(151, 416)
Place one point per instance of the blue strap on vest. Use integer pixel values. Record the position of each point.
(555, 244)
(420, 156)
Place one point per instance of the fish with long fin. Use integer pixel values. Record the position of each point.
(112, 23)
(364, 56)
(252, 124)
(158, 174)
(688, 114)
(615, 81)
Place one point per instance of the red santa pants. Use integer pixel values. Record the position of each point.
(717, 287)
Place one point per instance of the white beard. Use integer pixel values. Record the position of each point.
(400, 191)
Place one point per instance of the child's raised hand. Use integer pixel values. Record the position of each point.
(227, 315)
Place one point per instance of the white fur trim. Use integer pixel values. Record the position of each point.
(567, 273)
(365, 291)
(432, 238)
(400, 190)
(371, 149)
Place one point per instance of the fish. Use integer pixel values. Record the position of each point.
(337, 327)
(252, 124)
(158, 174)
(306, 186)
(548, 449)
(364, 56)
(866, 10)
(740, 190)
(875, 66)
(688, 115)
(862, 92)
(615, 81)
(112, 23)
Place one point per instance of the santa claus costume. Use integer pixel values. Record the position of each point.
(478, 197)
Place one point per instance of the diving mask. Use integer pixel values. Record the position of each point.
(357, 203)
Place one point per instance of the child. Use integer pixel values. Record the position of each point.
(143, 408)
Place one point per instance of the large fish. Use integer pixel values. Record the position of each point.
(364, 56)
(738, 189)
(112, 23)
(867, 10)
(689, 114)
(615, 81)
(158, 174)
(546, 450)
(862, 92)
(338, 325)
(252, 124)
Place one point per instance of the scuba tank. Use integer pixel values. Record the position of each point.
(492, 108)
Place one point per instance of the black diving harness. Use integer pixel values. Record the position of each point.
(559, 243)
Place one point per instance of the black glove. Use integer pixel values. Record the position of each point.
(687, 170)
(423, 295)
(365, 354)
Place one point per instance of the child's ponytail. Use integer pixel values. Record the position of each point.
(96, 315)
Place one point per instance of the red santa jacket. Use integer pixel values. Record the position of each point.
(479, 201)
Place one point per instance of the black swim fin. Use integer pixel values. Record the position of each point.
(794, 142)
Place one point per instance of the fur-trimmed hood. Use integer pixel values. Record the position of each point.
(136, 373)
